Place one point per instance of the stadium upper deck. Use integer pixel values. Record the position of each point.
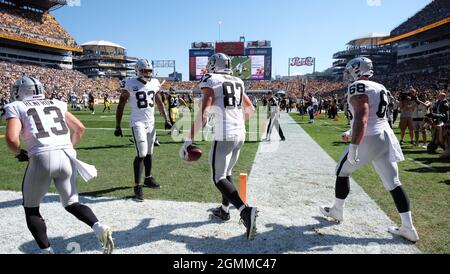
(33, 26)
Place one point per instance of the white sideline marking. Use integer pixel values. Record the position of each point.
(420, 164)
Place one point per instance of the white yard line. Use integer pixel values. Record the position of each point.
(420, 164)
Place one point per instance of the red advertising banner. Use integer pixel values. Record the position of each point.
(231, 48)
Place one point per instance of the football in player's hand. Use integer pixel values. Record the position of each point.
(193, 154)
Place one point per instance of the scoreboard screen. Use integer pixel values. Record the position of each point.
(253, 64)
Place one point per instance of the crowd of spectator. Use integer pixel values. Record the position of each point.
(293, 87)
(435, 11)
(57, 81)
(42, 27)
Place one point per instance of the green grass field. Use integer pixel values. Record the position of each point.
(425, 177)
(113, 158)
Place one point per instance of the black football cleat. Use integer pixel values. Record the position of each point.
(221, 214)
(248, 218)
(151, 183)
(138, 194)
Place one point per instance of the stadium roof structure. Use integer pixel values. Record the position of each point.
(370, 39)
(102, 44)
(40, 4)
(434, 26)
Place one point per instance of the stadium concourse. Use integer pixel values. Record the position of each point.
(289, 219)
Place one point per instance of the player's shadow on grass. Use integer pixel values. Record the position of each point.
(445, 182)
(52, 198)
(280, 239)
(340, 144)
(407, 152)
(441, 169)
(170, 143)
(106, 147)
(101, 193)
(428, 161)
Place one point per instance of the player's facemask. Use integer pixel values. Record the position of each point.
(146, 74)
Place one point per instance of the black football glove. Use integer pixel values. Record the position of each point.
(118, 132)
(23, 156)
(168, 125)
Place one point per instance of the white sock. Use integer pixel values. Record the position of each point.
(407, 219)
(48, 251)
(242, 208)
(339, 204)
(98, 228)
(226, 208)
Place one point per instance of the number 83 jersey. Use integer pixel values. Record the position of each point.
(142, 99)
(378, 105)
(43, 124)
(227, 109)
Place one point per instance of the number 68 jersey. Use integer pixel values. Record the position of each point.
(378, 105)
(142, 99)
(43, 124)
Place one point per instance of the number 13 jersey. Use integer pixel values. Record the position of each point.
(44, 126)
(227, 108)
(142, 99)
(378, 105)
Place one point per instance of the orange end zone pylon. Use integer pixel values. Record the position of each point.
(243, 187)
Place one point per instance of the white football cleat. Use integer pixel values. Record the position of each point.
(105, 238)
(408, 233)
(333, 213)
(47, 251)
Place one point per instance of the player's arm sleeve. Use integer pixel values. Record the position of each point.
(11, 111)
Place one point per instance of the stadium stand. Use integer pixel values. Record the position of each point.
(34, 26)
(291, 86)
(435, 11)
(105, 59)
(33, 43)
(56, 81)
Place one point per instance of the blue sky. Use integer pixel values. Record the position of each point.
(162, 29)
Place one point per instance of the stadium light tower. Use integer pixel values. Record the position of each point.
(220, 26)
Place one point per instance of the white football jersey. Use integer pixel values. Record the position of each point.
(228, 111)
(44, 126)
(142, 99)
(378, 105)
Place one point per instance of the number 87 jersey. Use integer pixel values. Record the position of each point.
(378, 105)
(227, 109)
(142, 99)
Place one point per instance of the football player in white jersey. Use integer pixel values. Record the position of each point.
(45, 128)
(373, 141)
(224, 96)
(142, 93)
